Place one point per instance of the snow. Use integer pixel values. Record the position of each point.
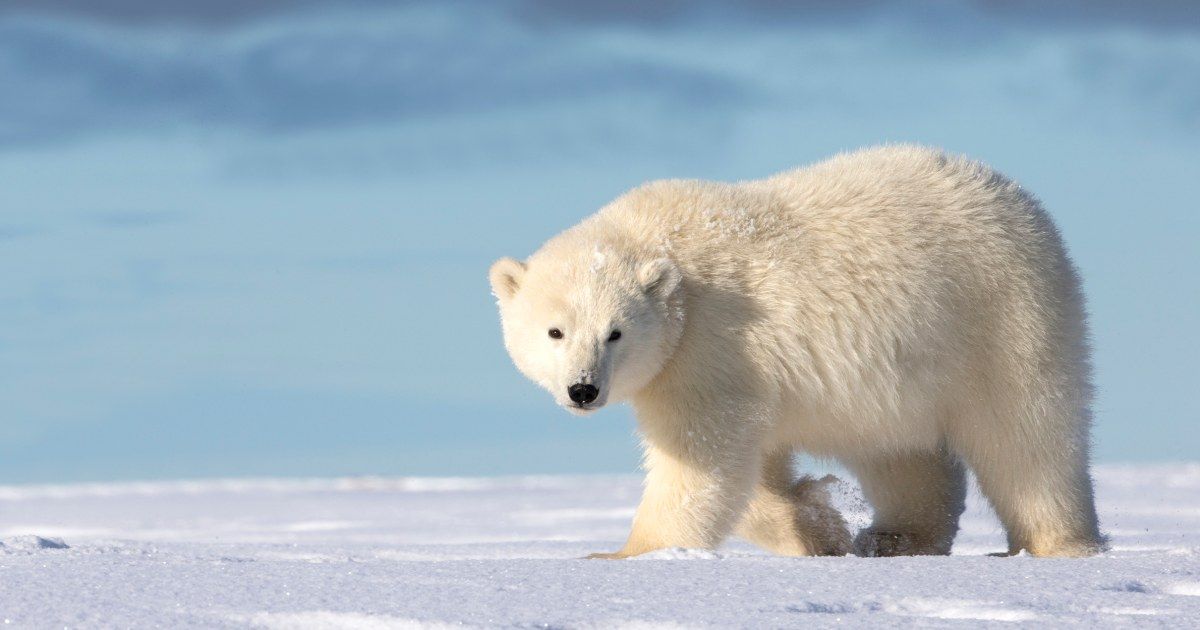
(474, 552)
(599, 257)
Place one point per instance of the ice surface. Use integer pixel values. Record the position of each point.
(435, 553)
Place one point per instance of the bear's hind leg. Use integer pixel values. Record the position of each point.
(793, 517)
(917, 498)
(1038, 483)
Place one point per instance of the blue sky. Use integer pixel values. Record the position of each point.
(254, 241)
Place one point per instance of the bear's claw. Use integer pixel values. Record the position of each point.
(886, 544)
(606, 556)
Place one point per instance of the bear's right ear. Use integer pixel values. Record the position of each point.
(506, 275)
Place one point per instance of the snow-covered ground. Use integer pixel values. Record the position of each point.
(422, 552)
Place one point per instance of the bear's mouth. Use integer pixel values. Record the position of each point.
(583, 409)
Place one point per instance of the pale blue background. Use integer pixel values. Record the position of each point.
(252, 238)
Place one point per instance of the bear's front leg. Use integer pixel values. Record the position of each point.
(793, 517)
(697, 486)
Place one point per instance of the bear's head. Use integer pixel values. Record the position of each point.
(589, 325)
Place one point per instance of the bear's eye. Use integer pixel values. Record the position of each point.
(555, 333)
(616, 334)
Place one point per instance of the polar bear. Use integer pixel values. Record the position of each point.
(904, 312)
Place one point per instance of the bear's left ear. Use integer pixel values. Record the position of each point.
(659, 277)
(505, 276)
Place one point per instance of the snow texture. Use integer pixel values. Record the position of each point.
(437, 553)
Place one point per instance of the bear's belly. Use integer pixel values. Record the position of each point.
(892, 402)
(851, 430)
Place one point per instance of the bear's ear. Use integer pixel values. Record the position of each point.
(506, 275)
(659, 277)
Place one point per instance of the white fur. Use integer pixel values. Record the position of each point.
(908, 313)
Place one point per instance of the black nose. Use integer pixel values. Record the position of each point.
(583, 393)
